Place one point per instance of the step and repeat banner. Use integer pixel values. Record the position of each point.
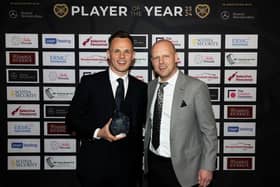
(48, 46)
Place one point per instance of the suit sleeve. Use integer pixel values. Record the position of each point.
(76, 119)
(207, 125)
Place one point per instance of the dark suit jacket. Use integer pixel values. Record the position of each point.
(92, 106)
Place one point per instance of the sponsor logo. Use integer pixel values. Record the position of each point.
(239, 146)
(239, 129)
(50, 40)
(57, 145)
(56, 41)
(21, 40)
(22, 93)
(17, 145)
(21, 145)
(24, 145)
(241, 59)
(56, 111)
(60, 162)
(199, 59)
(60, 145)
(24, 112)
(23, 162)
(204, 41)
(62, 93)
(13, 14)
(23, 128)
(22, 58)
(239, 163)
(225, 15)
(178, 40)
(204, 59)
(96, 41)
(93, 59)
(240, 94)
(58, 76)
(233, 129)
(22, 76)
(208, 76)
(60, 10)
(96, 58)
(239, 41)
(240, 111)
(240, 76)
(56, 128)
(58, 58)
(61, 76)
(140, 41)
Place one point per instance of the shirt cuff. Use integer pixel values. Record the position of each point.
(95, 134)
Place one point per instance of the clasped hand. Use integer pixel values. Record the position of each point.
(105, 133)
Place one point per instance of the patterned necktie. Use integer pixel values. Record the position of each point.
(119, 98)
(157, 115)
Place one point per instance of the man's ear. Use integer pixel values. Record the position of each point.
(108, 54)
(176, 58)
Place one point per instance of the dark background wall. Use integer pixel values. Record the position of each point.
(268, 101)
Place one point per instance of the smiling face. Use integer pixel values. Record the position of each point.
(164, 59)
(120, 55)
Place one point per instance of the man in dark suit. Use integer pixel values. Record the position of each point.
(180, 144)
(104, 159)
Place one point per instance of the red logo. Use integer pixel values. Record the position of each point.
(87, 41)
(232, 76)
(56, 128)
(240, 163)
(22, 58)
(16, 110)
(240, 112)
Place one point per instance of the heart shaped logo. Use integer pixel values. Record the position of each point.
(202, 10)
(60, 10)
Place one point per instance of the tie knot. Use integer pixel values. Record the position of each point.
(120, 80)
(162, 84)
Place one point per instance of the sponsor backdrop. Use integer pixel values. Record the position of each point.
(46, 47)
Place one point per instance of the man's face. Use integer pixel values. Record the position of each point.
(120, 55)
(164, 60)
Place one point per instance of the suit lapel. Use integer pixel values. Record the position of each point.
(108, 86)
(177, 97)
(151, 91)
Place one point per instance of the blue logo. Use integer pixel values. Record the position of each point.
(50, 40)
(233, 129)
(17, 145)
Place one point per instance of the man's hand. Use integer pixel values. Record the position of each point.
(204, 177)
(105, 133)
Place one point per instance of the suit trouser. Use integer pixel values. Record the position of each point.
(161, 172)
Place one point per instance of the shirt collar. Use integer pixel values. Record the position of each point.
(113, 76)
(172, 79)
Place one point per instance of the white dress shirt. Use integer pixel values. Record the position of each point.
(164, 141)
(114, 84)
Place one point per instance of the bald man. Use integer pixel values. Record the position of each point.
(180, 146)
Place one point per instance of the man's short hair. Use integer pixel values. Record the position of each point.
(120, 34)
